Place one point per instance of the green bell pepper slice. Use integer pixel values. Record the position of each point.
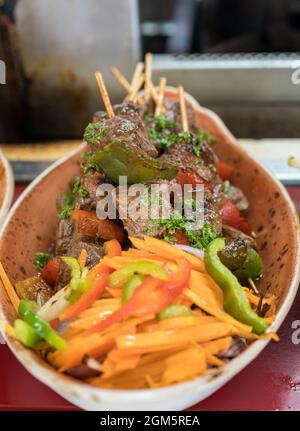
(28, 311)
(142, 267)
(235, 300)
(73, 264)
(26, 334)
(121, 158)
(130, 287)
(174, 311)
(253, 266)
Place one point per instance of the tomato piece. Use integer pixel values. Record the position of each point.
(232, 217)
(181, 238)
(190, 177)
(224, 170)
(51, 271)
(87, 223)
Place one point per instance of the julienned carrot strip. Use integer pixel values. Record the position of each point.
(198, 333)
(183, 366)
(94, 345)
(213, 310)
(112, 248)
(9, 288)
(204, 287)
(179, 322)
(163, 249)
(82, 258)
(88, 298)
(217, 346)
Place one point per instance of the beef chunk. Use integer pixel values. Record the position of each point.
(173, 113)
(237, 197)
(89, 182)
(181, 154)
(64, 275)
(94, 251)
(64, 233)
(231, 232)
(145, 226)
(69, 243)
(129, 126)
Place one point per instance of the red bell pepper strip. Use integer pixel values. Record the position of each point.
(231, 216)
(51, 271)
(112, 248)
(152, 296)
(224, 170)
(99, 283)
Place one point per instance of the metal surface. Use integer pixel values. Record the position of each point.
(60, 64)
(233, 78)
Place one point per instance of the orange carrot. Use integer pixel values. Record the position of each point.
(9, 288)
(82, 258)
(112, 248)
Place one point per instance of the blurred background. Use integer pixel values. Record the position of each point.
(236, 57)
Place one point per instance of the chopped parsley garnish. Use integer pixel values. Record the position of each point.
(160, 129)
(208, 235)
(226, 187)
(94, 132)
(87, 168)
(40, 259)
(67, 199)
(175, 224)
(212, 167)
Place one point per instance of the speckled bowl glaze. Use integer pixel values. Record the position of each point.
(6, 187)
(30, 227)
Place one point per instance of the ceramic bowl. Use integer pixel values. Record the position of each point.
(30, 227)
(6, 187)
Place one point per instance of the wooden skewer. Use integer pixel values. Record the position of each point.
(294, 162)
(160, 97)
(184, 120)
(251, 282)
(104, 94)
(137, 74)
(153, 92)
(148, 74)
(121, 79)
(133, 96)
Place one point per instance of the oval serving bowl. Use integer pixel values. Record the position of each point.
(30, 227)
(6, 187)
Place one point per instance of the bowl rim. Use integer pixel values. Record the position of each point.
(65, 385)
(9, 187)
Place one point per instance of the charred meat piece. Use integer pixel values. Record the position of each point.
(34, 289)
(70, 243)
(89, 182)
(181, 154)
(64, 234)
(230, 232)
(123, 127)
(237, 197)
(173, 113)
(94, 251)
(150, 205)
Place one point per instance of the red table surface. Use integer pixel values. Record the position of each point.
(271, 382)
